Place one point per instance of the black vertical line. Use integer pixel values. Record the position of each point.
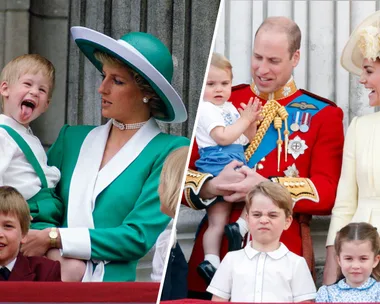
(143, 15)
(186, 65)
(108, 18)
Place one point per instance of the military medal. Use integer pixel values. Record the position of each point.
(295, 123)
(291, 171)
(305, 122)
(297, 146)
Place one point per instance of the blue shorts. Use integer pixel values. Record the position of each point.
(213, 159)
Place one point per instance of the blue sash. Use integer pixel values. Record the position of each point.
(268, 144)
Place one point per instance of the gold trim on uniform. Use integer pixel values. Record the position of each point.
(289, 89)
(194, 182)
(299, 188)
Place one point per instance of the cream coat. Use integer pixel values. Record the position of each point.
(358, 196)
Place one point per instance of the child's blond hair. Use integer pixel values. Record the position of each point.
(13, 203)
(171, 177)
(278, 194)
(221, 62)
(28, 64)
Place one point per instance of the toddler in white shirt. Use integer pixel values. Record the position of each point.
(26, 88)
(221, 136)
(265, 270)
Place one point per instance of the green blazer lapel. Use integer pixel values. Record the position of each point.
(130, 151)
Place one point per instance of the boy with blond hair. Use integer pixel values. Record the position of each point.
(265, 270)
(14, 226)
(26, 87)
(175, 283)
(221, 136)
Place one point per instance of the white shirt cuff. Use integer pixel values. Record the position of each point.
(76, 243)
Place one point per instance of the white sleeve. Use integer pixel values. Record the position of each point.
(302, 284)
(161, 249)
(209, 117)
(7, 150)
(221, 284)
(76, 243)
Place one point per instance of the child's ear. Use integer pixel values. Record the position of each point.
(376, 261)
(338, 260)
(24, 237)
(4, 89)
(288, 222)
(46, 106)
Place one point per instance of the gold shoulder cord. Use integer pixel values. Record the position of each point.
(272, 112)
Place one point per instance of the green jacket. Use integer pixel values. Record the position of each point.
(126, 214)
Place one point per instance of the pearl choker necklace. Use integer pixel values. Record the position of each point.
(133, 126)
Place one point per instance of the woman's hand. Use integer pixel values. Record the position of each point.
(330, 271)
(36, 242)
(239, 190)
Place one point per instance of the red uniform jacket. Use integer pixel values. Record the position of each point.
(35, 269)
(320, 162)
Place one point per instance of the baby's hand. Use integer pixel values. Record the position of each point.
(252, 110)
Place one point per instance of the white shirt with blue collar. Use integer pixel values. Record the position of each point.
(248, 275)
(342, 292)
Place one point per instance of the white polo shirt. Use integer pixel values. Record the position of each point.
(248, 275)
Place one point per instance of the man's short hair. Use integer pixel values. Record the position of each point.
(13, 203)
(278, 194)
(284, 25)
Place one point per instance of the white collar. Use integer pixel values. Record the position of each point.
(11, 264)
(6, 120)
(276, 254)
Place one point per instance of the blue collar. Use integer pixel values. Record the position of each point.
(368, 284)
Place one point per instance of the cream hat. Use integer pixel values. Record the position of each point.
(364, 42)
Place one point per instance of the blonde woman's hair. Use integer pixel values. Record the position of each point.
(156, 104)
(13, 203)
(221, 62)
(171, 177)
(29, 64)
(358, 232)
(278, 194)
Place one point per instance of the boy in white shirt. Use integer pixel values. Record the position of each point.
(221, 135)
(26, 88)
(265, 270)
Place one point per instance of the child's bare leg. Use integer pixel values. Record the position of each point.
(243, 226)
(218, 216)
(72, 270)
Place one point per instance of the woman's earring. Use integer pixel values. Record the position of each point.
(145, 100)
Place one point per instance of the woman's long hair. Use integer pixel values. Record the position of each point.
(358, 232)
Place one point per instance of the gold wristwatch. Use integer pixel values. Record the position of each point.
(53, 234)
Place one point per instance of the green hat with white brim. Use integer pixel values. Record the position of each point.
(145, 54)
